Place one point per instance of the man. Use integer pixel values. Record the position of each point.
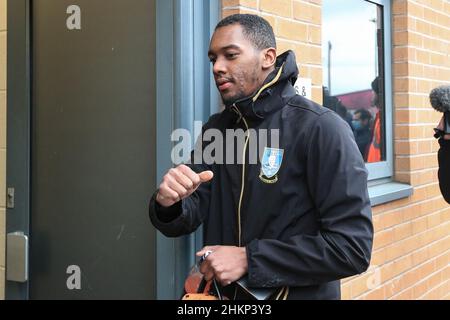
(444, 160)
(374, 154)
(361, 127)
(299, 228)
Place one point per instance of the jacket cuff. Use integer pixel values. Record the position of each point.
(251, 268)
(257, 276)
(163, 214)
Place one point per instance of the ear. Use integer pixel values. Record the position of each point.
(269, 58)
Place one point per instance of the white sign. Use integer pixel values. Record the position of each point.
(303, 86)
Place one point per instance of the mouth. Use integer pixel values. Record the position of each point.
(223, 84)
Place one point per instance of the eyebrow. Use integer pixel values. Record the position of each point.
(231, 46)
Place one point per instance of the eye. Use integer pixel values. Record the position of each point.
(212, 60)
(231, 55)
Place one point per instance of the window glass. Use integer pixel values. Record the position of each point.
(353, 64)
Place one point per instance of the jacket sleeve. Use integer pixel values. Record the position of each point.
(444, 168)
(187, 215)
(337, 182)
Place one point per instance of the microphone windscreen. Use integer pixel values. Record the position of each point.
(440, 98)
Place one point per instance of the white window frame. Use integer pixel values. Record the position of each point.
(385, 169)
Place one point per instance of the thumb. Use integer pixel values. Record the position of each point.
(206, 176)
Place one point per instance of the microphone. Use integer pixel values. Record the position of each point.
(440, 101)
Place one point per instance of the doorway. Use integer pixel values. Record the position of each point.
(93, 151)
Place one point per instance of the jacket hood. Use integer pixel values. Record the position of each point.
(288, 62)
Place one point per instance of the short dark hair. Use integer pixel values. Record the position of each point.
(365, 115)
(256, 29)
(376, 85)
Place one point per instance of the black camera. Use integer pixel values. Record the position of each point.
(441, 133)
(440, 101)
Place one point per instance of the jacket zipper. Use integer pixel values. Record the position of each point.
(243, 171)
(284, 292)
(247, 136)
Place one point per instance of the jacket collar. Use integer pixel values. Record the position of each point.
(276, 90)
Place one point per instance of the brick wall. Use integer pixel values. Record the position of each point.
(2, 142)
(411, 257)
(412, 245)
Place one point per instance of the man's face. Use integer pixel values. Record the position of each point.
(357, 117)
(237, 64)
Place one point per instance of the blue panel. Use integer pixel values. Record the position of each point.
(184, 64)
(165, 266)
(184, 95)
(214, 17)
(183, 107)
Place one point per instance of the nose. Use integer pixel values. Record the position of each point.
(219, 67)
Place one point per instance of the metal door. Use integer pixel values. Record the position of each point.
(92, 149)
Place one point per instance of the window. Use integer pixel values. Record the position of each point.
(357, 75)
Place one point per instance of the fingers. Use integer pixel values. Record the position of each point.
(166, 194)
(178, 178)
(212, 270)
(187, 178)
(220, 276)
(179, 183)
(191, 175)
(210, 273)
(207, 269)
(206, 249)
(225, 264)
(170, 191)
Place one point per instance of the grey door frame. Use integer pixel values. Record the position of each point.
(18, 128)
(185, 93)
(183, 31)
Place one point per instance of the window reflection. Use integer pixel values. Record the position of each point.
(353, 71)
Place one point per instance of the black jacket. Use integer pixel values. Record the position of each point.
(305, 228)
(444, 168)
(363, 137)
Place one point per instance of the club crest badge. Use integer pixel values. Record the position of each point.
(270, 164)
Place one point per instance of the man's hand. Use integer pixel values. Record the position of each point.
(179, 183)
(441, 127)
(225, 264)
